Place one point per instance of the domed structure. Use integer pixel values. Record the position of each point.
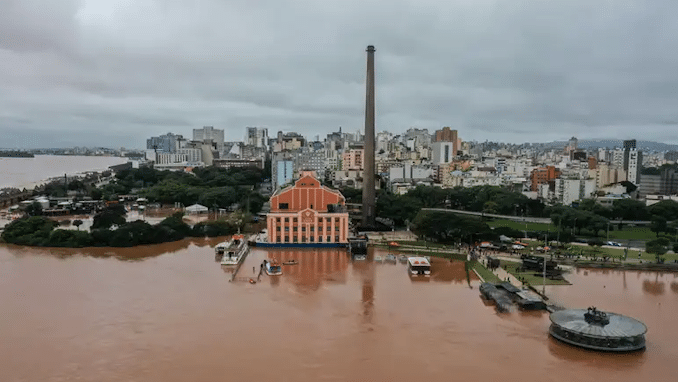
(597, 330)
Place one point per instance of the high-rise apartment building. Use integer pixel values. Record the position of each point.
(543, 175)
(352, 159)
(164, 143)
(257, 137)
(448, 135)
(442, 152)
(209, 133)
(633, 163)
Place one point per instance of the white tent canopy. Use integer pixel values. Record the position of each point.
(196, 209)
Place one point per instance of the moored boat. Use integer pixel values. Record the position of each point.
(272, 269)
(391, 258)
(235, 251)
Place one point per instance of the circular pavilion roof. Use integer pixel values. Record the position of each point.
(619, 326)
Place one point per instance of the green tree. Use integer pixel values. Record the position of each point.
(668, 209)
(658, 224)
(77, 223)
(629, 209)
(658, 247)
(112, 215)
(34, 209)
(34, 230)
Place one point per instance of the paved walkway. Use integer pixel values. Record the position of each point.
(503, 275)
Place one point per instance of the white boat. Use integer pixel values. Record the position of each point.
(272, 269)
(391, 258)
(378, 259)
(235, 251)
(418, 266)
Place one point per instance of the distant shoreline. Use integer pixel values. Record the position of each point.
(16, 154)
(32, 184)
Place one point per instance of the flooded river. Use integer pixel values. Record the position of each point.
(170, 313)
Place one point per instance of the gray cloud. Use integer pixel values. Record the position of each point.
(523, 70)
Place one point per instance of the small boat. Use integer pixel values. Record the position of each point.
(402, 259)
(378, 259)
(291, 262)
(391, 258)
(272, 269)
(359, 257)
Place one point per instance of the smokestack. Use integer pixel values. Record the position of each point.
(369, 203)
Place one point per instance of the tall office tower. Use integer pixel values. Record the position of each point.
(369, 200)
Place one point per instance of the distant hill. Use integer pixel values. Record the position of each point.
(612, 143)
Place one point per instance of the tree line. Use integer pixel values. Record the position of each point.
(109, 229)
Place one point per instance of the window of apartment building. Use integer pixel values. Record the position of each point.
(312, 229)
(277, 239)
(328, 220)
(336, 221)
(303, 239)
(294, 220)
(296, 239)
(287, 239)
(320, 220)
(277, 228)
(329, 239)
(320, 239)
(294, 229)
(336, 228)
(277, 220)
(287, 229)
(303, 229)
(311, 206)
(283, 206)
(287, 220)
(312, 239)
(336, 239)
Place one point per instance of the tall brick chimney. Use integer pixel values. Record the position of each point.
(369, 199)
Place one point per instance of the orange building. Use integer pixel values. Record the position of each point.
(307, 214)
(543, 175)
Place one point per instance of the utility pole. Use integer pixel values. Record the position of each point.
(543, 287)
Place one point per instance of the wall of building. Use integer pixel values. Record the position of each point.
(307, 213)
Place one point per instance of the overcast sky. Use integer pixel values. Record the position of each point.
(114, 72)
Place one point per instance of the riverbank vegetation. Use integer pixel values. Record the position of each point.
(212, 187)
(43, 232)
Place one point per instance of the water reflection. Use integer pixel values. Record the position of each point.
(655, 288)
(599, 360)
(674, 287)
(313, 266)
(139, 253)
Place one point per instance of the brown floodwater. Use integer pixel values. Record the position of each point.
(169, 312)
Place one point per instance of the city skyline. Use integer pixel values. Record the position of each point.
(90, 73)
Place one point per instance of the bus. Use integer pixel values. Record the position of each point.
(418, 266)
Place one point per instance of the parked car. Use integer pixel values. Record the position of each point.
(613, 243)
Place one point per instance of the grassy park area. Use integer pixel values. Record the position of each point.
(531, 277)
(485, 273)
(627, 232)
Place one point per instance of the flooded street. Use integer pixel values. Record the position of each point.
(170, 313)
